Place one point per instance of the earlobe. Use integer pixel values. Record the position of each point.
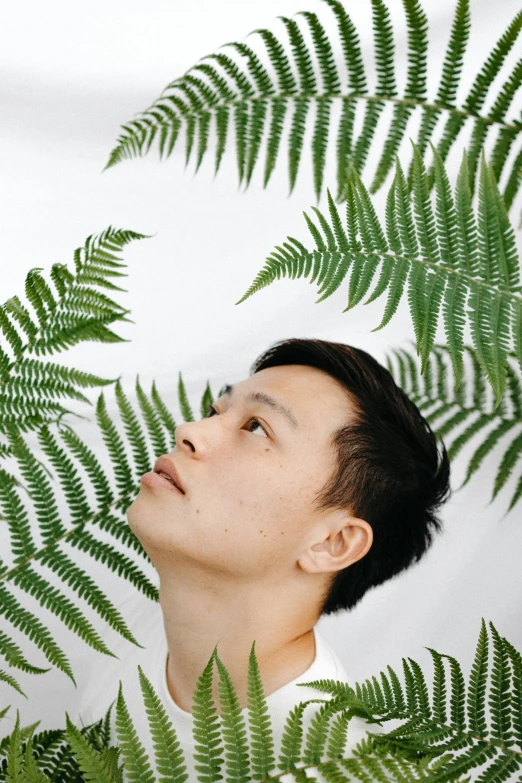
(339, 549)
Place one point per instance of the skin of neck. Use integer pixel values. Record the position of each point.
(201, 610)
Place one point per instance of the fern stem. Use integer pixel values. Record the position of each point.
(514, 125)
(436, 267)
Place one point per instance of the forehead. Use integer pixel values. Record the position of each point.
(317, 401)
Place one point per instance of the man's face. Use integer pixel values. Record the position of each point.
(247, 511)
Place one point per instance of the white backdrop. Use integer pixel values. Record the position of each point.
(71, 74)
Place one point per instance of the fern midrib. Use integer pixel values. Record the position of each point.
(6, 575)
(399, 257)
(413, 102)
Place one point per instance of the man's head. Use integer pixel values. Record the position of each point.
(332, 498)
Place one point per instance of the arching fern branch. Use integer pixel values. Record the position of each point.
(445, 732)
(447, 256)
(76, 311)
(239, 90)
(48, 543)
(468, 411)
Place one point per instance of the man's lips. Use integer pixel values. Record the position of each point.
(153, 479)
(166, 465)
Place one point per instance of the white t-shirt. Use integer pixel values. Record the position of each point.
(145, 620)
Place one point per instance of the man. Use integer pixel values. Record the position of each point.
(306, 484)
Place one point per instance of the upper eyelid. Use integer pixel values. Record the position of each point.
(212, 408)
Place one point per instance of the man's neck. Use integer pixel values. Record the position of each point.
(199, 613)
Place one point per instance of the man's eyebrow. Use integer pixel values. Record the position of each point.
(265, 399)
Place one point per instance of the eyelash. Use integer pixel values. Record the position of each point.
(212, 411)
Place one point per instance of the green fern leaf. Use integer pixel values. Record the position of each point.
(115, 447)
(94, 470)
(507, 464)
(338, 736)
(29, 624)
(262, 740)
(40, 490)
(75, 313)
(206, 400)
(163, 413)
(208, 742)
(451, 71)
(23, 573)
(421, 688)
(278, 114)
(153, 424)
(95, 767)
(291, 739)
(457, 694)
(14, 754)
(439, 687)
(133, 431)
(477, 686)
(384, 49)
(137, 766)
(86, 588)
(317, 734)
(57, 602)
(437, 402)
(302, 57)
(186, 410)
(233, 728)
(15, 657)
(22, 543)
(168, 754)
(118, 562)
(31, 773)
(296, 138)
(240, 90)
(462, 274)
(10, 680)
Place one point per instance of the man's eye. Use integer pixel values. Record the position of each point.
(213, 412)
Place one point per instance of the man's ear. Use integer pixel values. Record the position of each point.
(341, 547)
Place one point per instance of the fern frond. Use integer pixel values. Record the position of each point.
(467, 414)
(76, 312)
(47, 544)
(434, 254)
(433, 742)
(240, 90)
(435, 731)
